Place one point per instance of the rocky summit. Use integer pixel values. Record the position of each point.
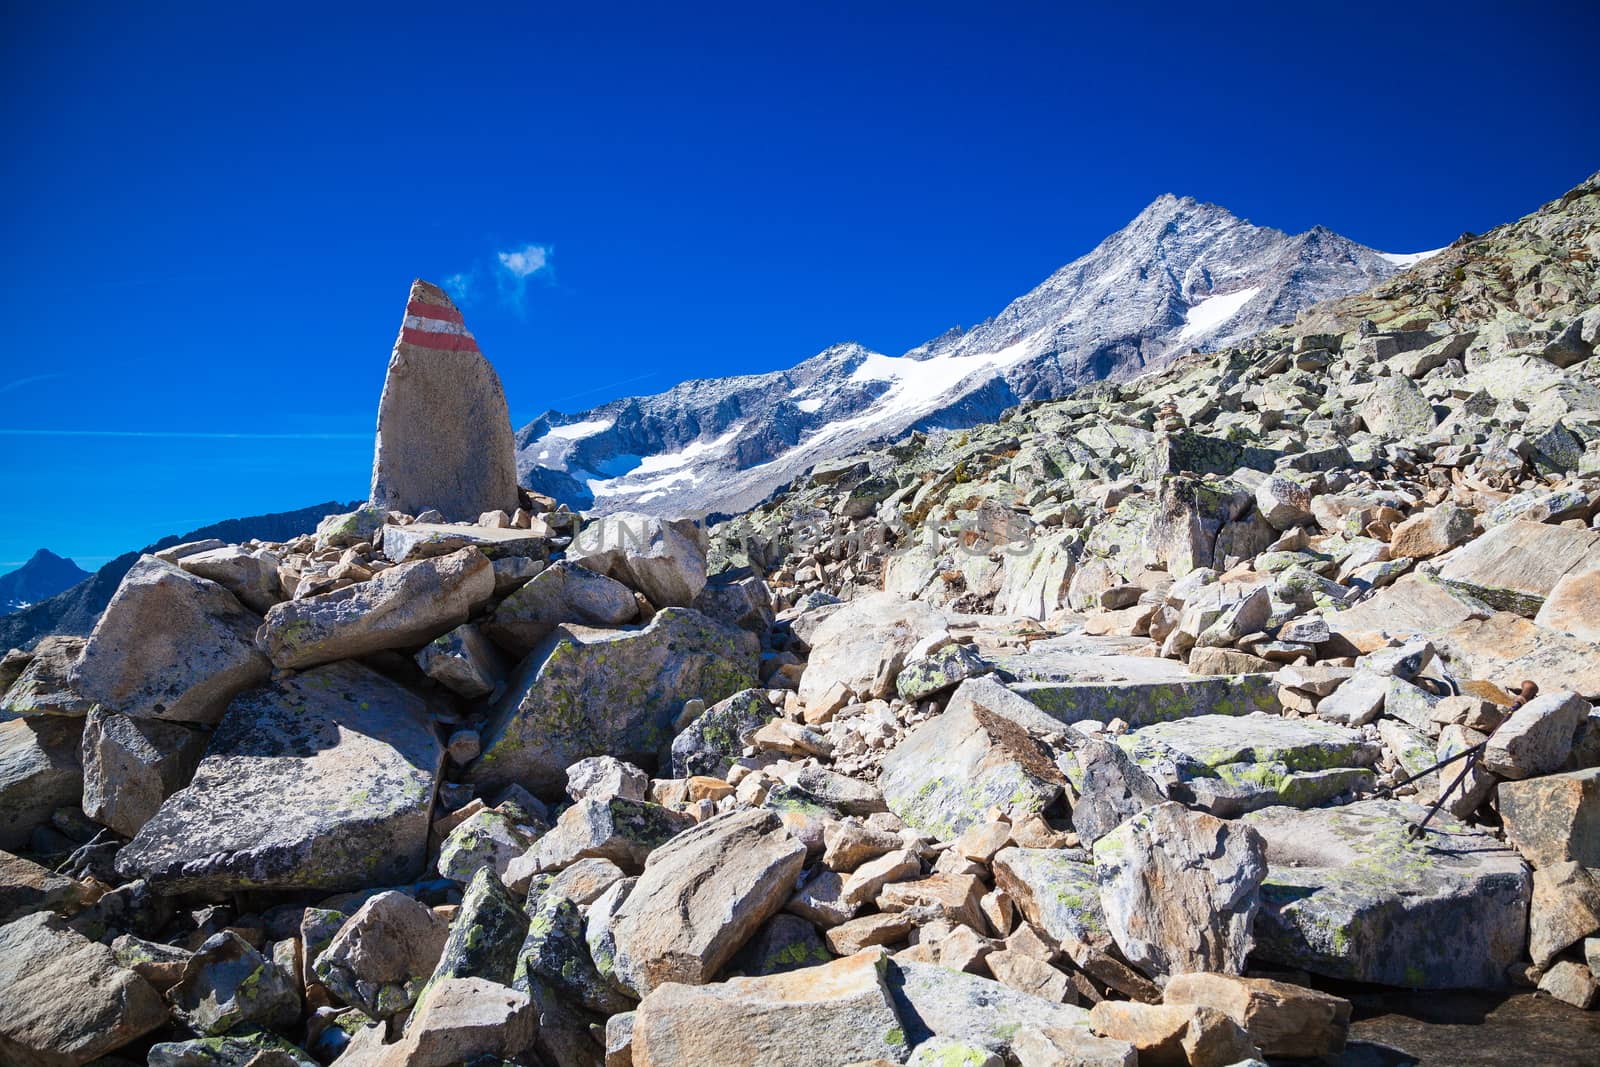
(1178, 721)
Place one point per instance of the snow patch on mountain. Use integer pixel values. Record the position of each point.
(1409, 259)
(1209, 314)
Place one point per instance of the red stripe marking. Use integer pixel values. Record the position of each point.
(433, 311)
(451, 342)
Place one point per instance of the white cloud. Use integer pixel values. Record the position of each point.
(461, 286)
(525, 261)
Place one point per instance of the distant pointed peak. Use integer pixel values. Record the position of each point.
(432, 320)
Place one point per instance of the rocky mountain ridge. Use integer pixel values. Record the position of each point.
(1130, 730)
(1181, 275)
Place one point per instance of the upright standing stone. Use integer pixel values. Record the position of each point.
(444, 433)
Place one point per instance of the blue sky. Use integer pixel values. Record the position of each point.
(212, 212)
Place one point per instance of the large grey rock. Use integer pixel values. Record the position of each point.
(935, 1001)
(665, 559)
(1232, 764)
(462, 1020)
(556, 954)
(1537, 736)
(131, 765)
(249, 574)
(444, 434)
(486, 934)
(44, 686)
(1057, 891)
(1514, 566)
(711, 743)
(613, 828)
(563, 592)
(402, 607)
(864, 644)
(462, 661)
(64, 1000)
(242, 1049)
(171, 645)
(1349, 894)
(1143, 703)
(836, 1013)
(379, 958)
(424, 540)
(1111, 788)
(1180, 889)
(587, 692)
(228, 985)
(39, 772)
(987, 749)
(701, 896)
(322, 781)
(1396, 408)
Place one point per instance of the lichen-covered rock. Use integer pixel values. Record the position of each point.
(1180, 889)
(322, 781)
(170, 645)
(1144, 703)
(381, 956)
(486, 934)
(257, 1047)
(402, 607)
(987, 749)
(1057, 891)
(556, 953)
(1396, 408)
(444, 434)
(227, 985)
(587, 692)
(131, 765)
(1111, 788)
(864, 644)
(711, 743)
(40, 771)
(823, 1016)
(665, 559)
(1349, 894)
(1555, 818)
(563, 592)
(623, 831)
(65, 1000)
(784, 943)
(1228, 765)
(942, 670)
(718, 882)
(486, 838)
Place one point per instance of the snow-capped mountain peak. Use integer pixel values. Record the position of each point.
(1181, 275)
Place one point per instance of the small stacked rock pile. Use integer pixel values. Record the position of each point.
(1104, 735)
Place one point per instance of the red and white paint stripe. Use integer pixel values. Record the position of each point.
(432, 326)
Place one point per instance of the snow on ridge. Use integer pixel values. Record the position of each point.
(811, 406)
(1210, 313)
(574, 431)
(1408, 259)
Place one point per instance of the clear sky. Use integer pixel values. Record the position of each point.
(212, 211)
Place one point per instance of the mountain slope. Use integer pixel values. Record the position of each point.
(44, 575)
(1181, 276)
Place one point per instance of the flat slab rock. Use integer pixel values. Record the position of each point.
(587, 692)
(322, 781)
(1350, 895)
(839, 1012)
(1230, 765)
(863, 645)
(1145, 703)
(984, 751)
(1514, 566)
(1506, 649)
